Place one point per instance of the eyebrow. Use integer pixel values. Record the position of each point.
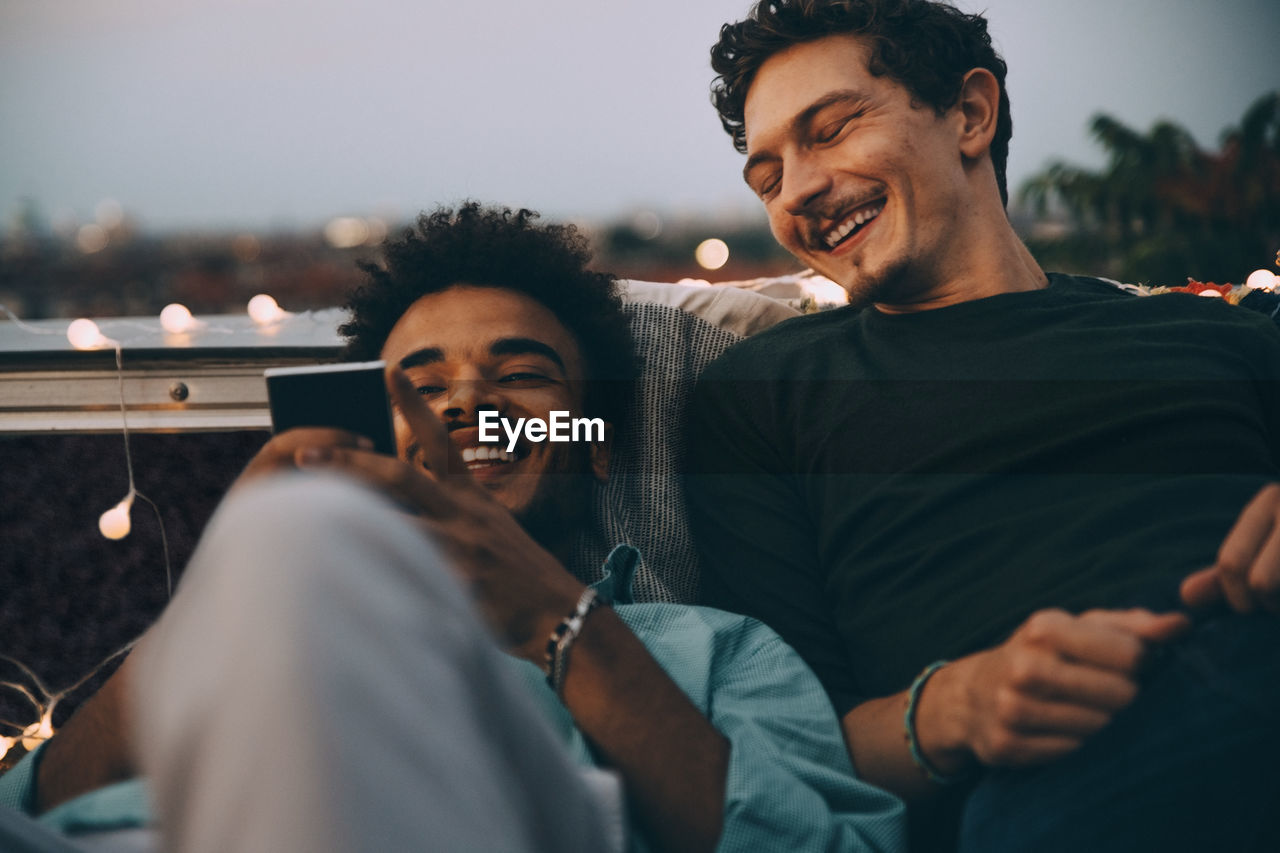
(801, 119)
(502, 346)
(525, 346)
(417, 358)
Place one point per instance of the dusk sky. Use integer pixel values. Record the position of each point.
(237, 114)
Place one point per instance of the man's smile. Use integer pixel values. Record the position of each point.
(851, 223)
(485, 460)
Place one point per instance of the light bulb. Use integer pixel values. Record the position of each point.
(1261, 280)
(176, 318)
(115, 523)
(264, 310)
(37, 733)
(712, 254)
(1211, 293)
(84, 334)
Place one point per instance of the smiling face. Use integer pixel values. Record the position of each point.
(469, 349)
(859, 183)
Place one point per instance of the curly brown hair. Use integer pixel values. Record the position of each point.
(926, 46)
(500, 247)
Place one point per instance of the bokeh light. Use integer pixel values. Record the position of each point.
(1261, 280)
(346, 232)
(712, 254)
(115, 523)
(85, 334)
(264, 310)
(176, 318)
(92, 238)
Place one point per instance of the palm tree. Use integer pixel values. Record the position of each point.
(1163, 208)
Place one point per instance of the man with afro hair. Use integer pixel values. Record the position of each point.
(330, 675)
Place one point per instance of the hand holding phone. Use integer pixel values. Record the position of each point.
(351, 397)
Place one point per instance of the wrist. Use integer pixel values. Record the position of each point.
(941, 735)
(530, 620)
(563, 637)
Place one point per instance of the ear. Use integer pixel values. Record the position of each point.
(601, 453)
(980, 110)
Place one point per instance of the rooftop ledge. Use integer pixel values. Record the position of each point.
(206, 379)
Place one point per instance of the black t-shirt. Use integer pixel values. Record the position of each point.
(888, 490)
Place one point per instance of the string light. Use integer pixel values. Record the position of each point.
(115, 522)
(42, 729)
(1261, 280)
(712, 254)
(175, 318)
(85, 334)
(265, 311)
(39, 731)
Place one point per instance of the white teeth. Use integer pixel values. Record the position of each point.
(485, 453)
(841, 231)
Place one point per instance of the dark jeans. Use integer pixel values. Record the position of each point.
(1192, 765)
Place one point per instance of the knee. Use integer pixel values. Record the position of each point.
(298, 535)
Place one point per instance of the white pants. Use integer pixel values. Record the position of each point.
(321, 682)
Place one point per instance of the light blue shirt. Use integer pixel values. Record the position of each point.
(790, 787)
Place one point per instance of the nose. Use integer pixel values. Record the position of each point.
(804, 181)
(466, 398)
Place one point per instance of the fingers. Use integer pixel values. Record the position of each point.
(280, 452)
(1114, 640)
(1201, 589)
(1031, 715)
(438, 451)
(1249, 568)
(1058, 680)
(1247, 543)
(1140, 623)
(1016, 750)
(399, 480)
(1083, 686)
(1247, 571)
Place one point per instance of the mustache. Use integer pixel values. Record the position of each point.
(821, 216)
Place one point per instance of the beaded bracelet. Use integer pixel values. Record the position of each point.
(564, 635)
(909, 723)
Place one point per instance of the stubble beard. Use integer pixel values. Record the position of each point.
(888, 285)
(557, 512)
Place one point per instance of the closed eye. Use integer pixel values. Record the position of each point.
(768, 185)
(430, 390)
(524, 377)
(833, 130)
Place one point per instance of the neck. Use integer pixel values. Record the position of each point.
(984, 259)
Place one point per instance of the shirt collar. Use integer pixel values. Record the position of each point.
(618, 572)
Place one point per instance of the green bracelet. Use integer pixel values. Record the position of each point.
(909, 723)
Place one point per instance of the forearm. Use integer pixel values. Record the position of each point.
(93, 749)
(673, 760)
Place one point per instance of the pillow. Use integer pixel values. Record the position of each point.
(679, 329)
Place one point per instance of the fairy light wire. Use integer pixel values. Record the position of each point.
(43, 700)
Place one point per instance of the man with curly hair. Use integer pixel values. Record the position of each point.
(329, 674)
(943, 495)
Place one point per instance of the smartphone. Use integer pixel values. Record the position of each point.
(346, 396)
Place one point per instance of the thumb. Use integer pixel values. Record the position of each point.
(1201, 589)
